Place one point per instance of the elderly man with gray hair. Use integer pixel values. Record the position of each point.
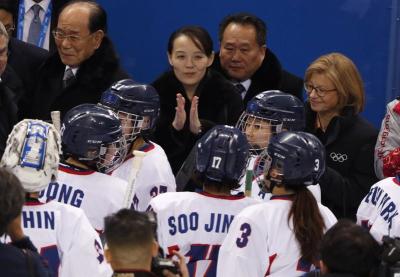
(8, 106)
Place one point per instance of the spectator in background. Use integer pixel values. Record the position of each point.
(8, 105)
(387, 148)
(16, 257)
(7, 10)
(193, 98)
(84, 66)
(131, 245)
(35, 21)
(335, 98)
(24, 59)
(245, 59)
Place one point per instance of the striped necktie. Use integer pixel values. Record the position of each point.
(68, 78)
(34, 28)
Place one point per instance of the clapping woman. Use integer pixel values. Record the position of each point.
(193, 97)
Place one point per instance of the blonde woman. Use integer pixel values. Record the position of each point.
(335, 98)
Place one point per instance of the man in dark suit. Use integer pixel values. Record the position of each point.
(245, 59)
(23, 61)
(8, 106)
(85, 63)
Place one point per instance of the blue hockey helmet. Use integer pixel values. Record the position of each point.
(93, 135)
(317, 150)
(269, 113)
(298, 157)
(137, 105)
(222, 154)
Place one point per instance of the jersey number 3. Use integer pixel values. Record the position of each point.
(244, 238)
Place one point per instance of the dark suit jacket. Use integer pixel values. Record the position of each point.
(219, 103)
(22, 69)
(8, 115)
(347, 180)
(94, 76)
(269, 76)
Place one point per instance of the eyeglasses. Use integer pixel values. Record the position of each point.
(321, 92)
(60, 35)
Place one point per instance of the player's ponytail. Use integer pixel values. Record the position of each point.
(308, 224)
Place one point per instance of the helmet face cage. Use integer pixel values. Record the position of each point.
(107, 156)
(258, 131)
(262, 162)
(132, 125)
(268, 171)
(293, 157)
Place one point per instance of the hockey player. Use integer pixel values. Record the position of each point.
(63, 234)
(93, 144)
(280, 237)
(197, 223)
(137, 106)
(266, 115)
(379, 211)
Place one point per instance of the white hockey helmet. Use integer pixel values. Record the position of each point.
(33, 153)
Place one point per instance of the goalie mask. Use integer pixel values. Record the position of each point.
(137, 106)
(269, 113)
(92, 135)
(221, 154)
(32, 153)
(295, 159)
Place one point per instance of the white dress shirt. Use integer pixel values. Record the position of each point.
(44, 4)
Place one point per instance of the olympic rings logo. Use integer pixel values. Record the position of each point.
(337, 157)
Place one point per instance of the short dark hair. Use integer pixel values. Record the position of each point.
(245, 19)
(12, 198)
(200, 37)
(349, 248)
(127, 229)
(97, 17)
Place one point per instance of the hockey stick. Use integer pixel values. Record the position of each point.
(137, 162)
(55, 118)
(248, 182)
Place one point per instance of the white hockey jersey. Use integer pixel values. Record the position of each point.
(196, 224)
(257, 193)
(260, 242)
(97, 194)
(64, 236)
(154, 177)
(379, 209)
